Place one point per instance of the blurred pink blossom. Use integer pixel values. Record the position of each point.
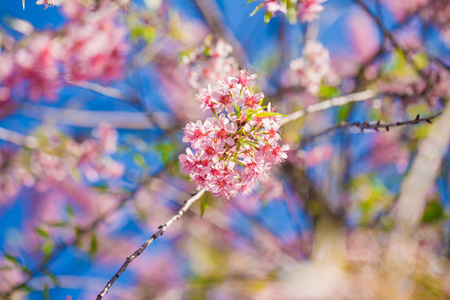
(309, 10)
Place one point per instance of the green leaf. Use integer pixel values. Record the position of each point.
(42, 232)
(26, 288)
(45, 292)
(23, 4)
(93, 245)
(328, 91)
(140, 160)
(12, 259)
(266, 114)
(421, 60)
(52, 278)
(166, 150)
(47, 248)
(343, 113)
(58, 224)
(69, 211)
(433, 212)
(267, 17)
(204, 203)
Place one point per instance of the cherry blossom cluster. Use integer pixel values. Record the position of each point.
(209, 63)
(231, 151)
(58, 158)
(48, 3)
(311, 69)
(307, 10)
(436, 11)
(88, 47)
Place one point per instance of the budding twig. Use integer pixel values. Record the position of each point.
(372, 125)
(141, 249)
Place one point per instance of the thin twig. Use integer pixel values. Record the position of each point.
(141, 249)
(372, 125)
(339, 101)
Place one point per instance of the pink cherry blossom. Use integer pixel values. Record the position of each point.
(309, 10)
(48, 3)
(238, 146)
(209, 63)
(273, 6)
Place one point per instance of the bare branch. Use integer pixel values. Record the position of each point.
(372, 125)
(339, 101)
(90, 118)
(141, 249)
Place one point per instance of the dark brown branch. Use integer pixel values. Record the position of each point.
(373, 125)
(141, 249)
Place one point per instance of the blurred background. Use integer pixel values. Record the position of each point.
(94, 97)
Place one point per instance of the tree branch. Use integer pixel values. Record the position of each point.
(373, 125)
(339, 101)
(141, 249)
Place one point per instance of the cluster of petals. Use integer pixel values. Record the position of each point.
(209, 63)
(273, 6)
(94, 46)
(309, 10)
(57, 159)
(48, 3)
(88, 47)
(231, 151)
(311, 69)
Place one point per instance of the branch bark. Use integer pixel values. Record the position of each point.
(141, 249)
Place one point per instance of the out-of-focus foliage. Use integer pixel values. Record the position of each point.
(94, 101)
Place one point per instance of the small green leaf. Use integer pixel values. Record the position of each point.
(23, 4)
(52, 278)
(328, 91)
(204, 203)
(267, 17)
(93, 246)
(266, 114)
(433, 212)
(12, 259)
(166, 150)
(139, 160)
(42, 232)
(47, 248)
(26, 288)
(58, 224)
(421, 60)
(69, 211)
(45, 292)
(343, 113)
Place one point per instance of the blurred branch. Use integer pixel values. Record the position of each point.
(81, 233)
(91, 118)
(339, 101)
(214, 20)
(374, 126)
(17, 138)
(104, 90)
(402, 252)
(141, 249)
(396, 44)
